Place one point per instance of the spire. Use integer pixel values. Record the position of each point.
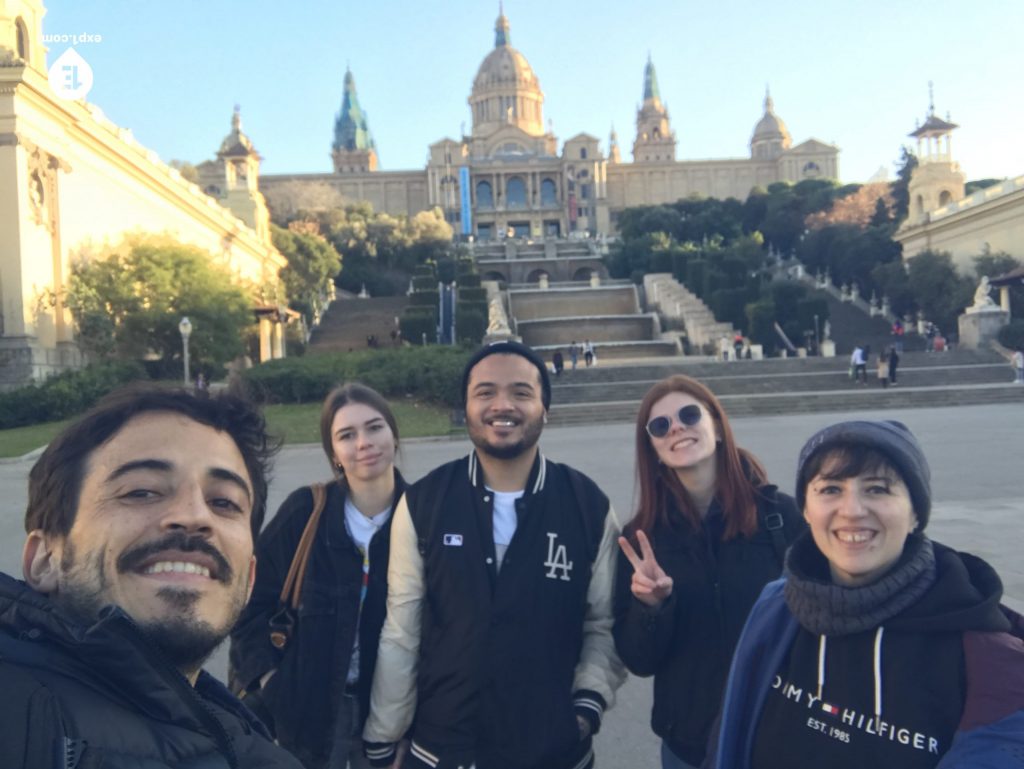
(931, 98)
(351, 129)
(501, 28)
(651, 92)
(236, 143)
(769, 105)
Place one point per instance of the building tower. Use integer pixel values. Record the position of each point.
(937, 180)
(771, 137)
(614, 154)
(506, 90)
(353, 150)
(655, 140)
(241, 171)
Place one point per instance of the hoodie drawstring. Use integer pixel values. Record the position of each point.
(878, 676)
(821, 665)
(822, 645)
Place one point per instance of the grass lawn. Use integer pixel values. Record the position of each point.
(298, 423)
(21, 440)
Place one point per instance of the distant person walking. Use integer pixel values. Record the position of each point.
(859, 365)
(883, 369)
(1018, 365)
(558, 362)
(588, 353)
(894, 361)
(574, 354)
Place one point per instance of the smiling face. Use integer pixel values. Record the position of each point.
(860, 523)
(504, 410)
(362, 442)
(162, 530)
(684, 448)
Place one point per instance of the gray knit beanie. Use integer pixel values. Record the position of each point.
(891, 439)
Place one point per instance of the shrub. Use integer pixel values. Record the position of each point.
(431, 373)
(1012, 335)
(64, 395)
(470, 322)
(417, 321)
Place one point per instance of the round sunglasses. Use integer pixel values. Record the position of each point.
(688, 416)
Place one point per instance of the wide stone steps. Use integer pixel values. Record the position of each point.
(779, 386)
(752, 381)
(858, 399)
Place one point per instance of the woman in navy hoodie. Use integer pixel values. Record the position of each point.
(879, 648)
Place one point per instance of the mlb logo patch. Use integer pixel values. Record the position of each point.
(453, 540)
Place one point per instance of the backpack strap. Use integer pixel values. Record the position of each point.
(282, 623)
(772, 521)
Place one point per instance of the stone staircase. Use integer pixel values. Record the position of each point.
(791, 385)
(348, 322)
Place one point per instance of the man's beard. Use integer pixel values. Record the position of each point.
(184, 640)
(531, 434)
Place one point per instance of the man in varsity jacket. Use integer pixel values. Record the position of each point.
(498, 635)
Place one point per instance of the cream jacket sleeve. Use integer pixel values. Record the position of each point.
(600, 670)
(393, 697)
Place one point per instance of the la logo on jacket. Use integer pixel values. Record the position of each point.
(558, 562)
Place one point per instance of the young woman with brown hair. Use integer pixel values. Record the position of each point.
(708, 534)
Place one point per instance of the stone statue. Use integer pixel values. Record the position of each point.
(827, 331)
(497, 321)
(981, 297)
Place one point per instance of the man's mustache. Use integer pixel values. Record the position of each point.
(130, 560)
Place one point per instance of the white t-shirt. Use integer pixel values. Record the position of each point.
(361, 528)
(505, 520)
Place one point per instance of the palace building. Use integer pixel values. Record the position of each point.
(508, 176)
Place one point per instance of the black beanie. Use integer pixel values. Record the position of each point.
(510, 348)
(891, 439)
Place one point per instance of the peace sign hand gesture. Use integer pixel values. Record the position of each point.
(651, 585)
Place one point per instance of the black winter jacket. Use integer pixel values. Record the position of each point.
(77, 697)
(300, 701)
(687, 642)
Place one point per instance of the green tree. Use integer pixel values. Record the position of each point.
(900, 188)
(312, 264)
(939, 291)
(128, 305)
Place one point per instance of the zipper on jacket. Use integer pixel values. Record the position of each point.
(187, 691)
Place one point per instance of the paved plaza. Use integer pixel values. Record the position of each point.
(978, 503)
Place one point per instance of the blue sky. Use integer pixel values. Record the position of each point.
(852, 73)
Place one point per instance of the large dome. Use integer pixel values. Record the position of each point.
(505, 90)
(770, 126)
(505, 66)
(771, 136)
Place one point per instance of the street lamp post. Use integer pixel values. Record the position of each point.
(185, 327)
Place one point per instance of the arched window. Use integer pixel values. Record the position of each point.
(919, 204)
(548, 193)
(812, 170)
(657, 133)
(515, 193)
(484, 195)
(583, 153)
(21, 35)
(945, 197)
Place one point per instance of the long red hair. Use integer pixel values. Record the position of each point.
(738, 473)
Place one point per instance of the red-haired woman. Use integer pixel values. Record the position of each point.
(708, 534)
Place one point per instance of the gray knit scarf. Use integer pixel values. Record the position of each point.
(824, 608)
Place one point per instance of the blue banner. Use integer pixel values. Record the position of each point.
(466, 201)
